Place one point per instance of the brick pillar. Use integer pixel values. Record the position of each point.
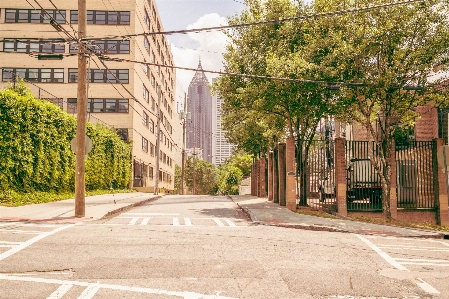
(282, 174)
(393, 179)
(291, 174)
(270, 176)
(257, 179)
(253, 179)
(276, 176)
(340, 176)
(440, 186)
(262, 178)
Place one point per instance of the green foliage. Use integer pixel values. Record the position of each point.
(35, 152)
(232, 171)
(177, 178)
(200, 176)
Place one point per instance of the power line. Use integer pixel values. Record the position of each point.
(304, 17)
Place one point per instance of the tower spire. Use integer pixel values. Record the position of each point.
(200, 67)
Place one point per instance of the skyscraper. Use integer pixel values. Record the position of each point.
(199, 105)
(221, 149)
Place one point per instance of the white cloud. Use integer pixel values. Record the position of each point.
(211, 46)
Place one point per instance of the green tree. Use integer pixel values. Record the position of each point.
(389, 53)
(177, 178)
(200, 176)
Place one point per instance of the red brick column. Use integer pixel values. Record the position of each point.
(340, 176)
(393, 179)
(441, 198)
(282, 174)
(291, 174)
(253, 179)
(270, 176)
(262, 178)
(276, 176)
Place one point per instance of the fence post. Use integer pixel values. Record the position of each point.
(441, 198)
(340, 176)
(393, 183)
(253, 178)
(262, 168)
(276, 175)
(291, 174)
(270, 176)
(282, 174)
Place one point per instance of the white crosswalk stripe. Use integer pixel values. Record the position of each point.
(177, 221)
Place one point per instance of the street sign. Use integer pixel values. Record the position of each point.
(87, 148)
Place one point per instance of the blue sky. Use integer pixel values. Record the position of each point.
(186, 48)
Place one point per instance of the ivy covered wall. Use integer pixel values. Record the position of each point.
(35, 152)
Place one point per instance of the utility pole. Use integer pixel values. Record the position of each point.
(158, 136)
(81, 114)
(184, 116)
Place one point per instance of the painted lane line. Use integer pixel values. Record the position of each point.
(230, 222)
(425, 264)
(18, 231)
(133, 221)
(32, 241)
(60, 292)
(89, 292)
(176, 222)
(422, 260)
(444, 243)
(145, 221)
(218, 222)
(385, 256)
(184, 295)
(415, 249)
(7, 246)
(410, 247)
(187, 222)
(427, 287)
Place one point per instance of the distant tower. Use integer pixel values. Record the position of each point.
(199, 105)
(221, 149)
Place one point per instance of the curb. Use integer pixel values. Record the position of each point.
(128, 207)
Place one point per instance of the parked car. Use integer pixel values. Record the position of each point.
(326, 188)
(363, 182)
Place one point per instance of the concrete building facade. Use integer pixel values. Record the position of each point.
(123, 95)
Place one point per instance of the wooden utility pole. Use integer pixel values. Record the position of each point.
(184, 116)
(81, 113)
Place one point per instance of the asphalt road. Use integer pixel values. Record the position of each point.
(205, 247)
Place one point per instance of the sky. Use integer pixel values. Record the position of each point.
(188, 48)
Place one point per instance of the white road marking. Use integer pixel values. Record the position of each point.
(422, 284)
(218, 222)
(385, 256)
(18, 231)
(176, 222)
(187, 222)
(60, 292)
(185, 295)
(32, 241)
(133, 221)
(427, 287)
(230, 222)
(145, 221)
(89, 292)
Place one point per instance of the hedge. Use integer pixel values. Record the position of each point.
(35, 152)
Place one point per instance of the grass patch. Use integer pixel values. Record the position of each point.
(15, 199)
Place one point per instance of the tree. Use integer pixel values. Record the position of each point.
(232, 171)
(200, 176)
(389, 53)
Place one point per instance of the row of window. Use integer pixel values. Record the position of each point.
(100, 105)
(100, 17)
(56, 75)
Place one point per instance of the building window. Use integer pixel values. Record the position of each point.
(151, 125)
(122, 133)
(34, 75)
(27, 46)
(146, 94)
(146, 19)
(103, 17)
(144, 144)
(102, 76)
(34, 15)
(151, 149)
(101, 105)
(106, 47)
(152, 80)
(145, 119)
(145, 67)
(153, 104)
(150, 172)
(146, 44)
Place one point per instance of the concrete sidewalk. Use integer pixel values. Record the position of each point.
(262, 211)
(97, 207)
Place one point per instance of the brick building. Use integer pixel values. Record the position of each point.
(123, 95)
